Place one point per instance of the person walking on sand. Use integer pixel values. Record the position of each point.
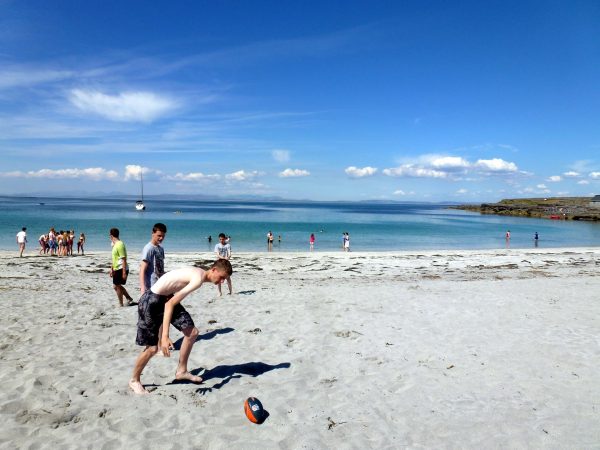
(152, 266)
(22, 240)
(161, 306)
(223, 251)
(119, 269)
(346, 242)
(311, 241)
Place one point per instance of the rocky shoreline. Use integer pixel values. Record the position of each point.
(564, 208)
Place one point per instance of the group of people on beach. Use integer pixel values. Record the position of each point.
(311, 241)
(161, 293)
(60, 243)
(53, 243)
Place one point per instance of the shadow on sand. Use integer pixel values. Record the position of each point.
(228, 373)
(204, 337)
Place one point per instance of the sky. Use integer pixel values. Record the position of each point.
(465, 101)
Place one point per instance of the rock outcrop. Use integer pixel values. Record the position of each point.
(565, 208)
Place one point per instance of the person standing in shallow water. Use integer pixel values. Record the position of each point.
(311, 241)
(119, 269)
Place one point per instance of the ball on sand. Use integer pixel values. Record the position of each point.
(254, 410)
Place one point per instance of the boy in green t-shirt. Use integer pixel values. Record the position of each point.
(119, 269)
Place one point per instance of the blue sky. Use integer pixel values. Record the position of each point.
(407, 101)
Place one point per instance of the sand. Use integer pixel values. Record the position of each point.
(453, 349)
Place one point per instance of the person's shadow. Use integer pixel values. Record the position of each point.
(228, 373)
(204, 337)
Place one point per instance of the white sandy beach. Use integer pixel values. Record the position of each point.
(453, 349)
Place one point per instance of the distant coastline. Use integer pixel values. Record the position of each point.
(559, 208)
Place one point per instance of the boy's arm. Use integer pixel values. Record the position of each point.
(124, 269)
(143, 266)
(169, 306)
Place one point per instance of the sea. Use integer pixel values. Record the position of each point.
(372, 226)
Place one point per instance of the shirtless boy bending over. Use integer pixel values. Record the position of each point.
(161, 305)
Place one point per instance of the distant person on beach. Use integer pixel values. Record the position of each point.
(119, 269)
(43, 244)
(209, 238)
(161, 306)
(536, 238)
(223, 251)
(80, 243)
(311, 241)
(508, 235)
(60, 242)
(269, 240)
(22, 240)
(70, 241)
(279, 239)
(152, 266)
(52, 241)
(346, 242)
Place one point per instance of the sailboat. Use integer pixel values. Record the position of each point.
(139, 205)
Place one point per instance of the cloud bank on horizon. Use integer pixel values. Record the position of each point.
(380, 103)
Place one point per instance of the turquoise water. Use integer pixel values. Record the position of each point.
(372, 226)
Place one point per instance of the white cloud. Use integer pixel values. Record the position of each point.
(542, 186)
(451, 167)
(193, 177)
(409, 170)
(242, 175)
(496, 165)
(583, 182)
(530, 190)
(124, 107)
(287, 173)
(462, 191)
(356, 172)
(555, 178)
(281, 156)
(449, 163)
(399, 192)
(571, 174)
(132, 172)
(92, 173)
(595, 175)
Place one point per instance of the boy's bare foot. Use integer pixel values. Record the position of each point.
(186, 376)
(137, 387)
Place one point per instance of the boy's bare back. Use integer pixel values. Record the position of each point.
(178, 279)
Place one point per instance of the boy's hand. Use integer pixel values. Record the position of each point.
(167, 346)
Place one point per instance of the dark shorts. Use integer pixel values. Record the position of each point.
(118, 277)
(151, 309)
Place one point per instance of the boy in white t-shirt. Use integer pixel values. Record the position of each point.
(22, 240)
(223, 251)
